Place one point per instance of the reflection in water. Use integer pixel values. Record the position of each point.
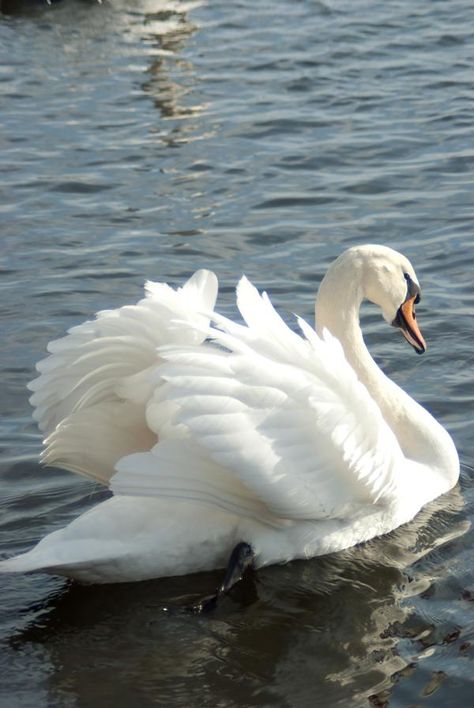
(165, 28)
(162, 27)
(171, 78)
(297, 634)
(167, 95)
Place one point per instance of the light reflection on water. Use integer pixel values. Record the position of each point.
(146, 140)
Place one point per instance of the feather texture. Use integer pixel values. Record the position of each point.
(90, 398)
(285, 416)
(211, 432)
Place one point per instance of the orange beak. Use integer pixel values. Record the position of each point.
(406, 320)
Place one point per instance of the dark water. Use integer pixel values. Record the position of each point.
(146, 139)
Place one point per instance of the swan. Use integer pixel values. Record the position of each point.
(210, 433)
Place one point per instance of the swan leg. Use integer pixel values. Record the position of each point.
(241, 561)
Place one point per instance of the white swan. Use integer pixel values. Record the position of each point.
(298, 445)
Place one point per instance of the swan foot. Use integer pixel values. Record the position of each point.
(241, 563)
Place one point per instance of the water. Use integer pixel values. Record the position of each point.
(146, 139)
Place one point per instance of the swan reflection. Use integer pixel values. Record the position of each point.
(342, 625)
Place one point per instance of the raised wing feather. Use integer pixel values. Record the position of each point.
(284, 415)
(91, 395)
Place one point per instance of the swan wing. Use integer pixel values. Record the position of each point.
(90, 397)
(283, 417)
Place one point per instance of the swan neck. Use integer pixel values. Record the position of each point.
(422, 439)
(337, 309)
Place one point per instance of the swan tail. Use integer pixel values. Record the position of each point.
(59, 553)
(81, 568)
(18, 564)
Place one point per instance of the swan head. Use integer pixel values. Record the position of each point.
(389, 281)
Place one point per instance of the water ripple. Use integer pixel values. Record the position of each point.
(147, 141)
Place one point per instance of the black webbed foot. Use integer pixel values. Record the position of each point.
(240, 564)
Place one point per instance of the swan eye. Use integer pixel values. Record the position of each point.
(413, 289)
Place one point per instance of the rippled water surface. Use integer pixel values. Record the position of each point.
(146, 139)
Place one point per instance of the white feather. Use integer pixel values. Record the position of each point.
(289, 431)
(99, 378)
(256, 434)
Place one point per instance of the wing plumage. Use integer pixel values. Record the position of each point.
(281, 417)
(259, 420)
(92, 390)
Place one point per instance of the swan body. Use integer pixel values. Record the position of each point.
(210, 432)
